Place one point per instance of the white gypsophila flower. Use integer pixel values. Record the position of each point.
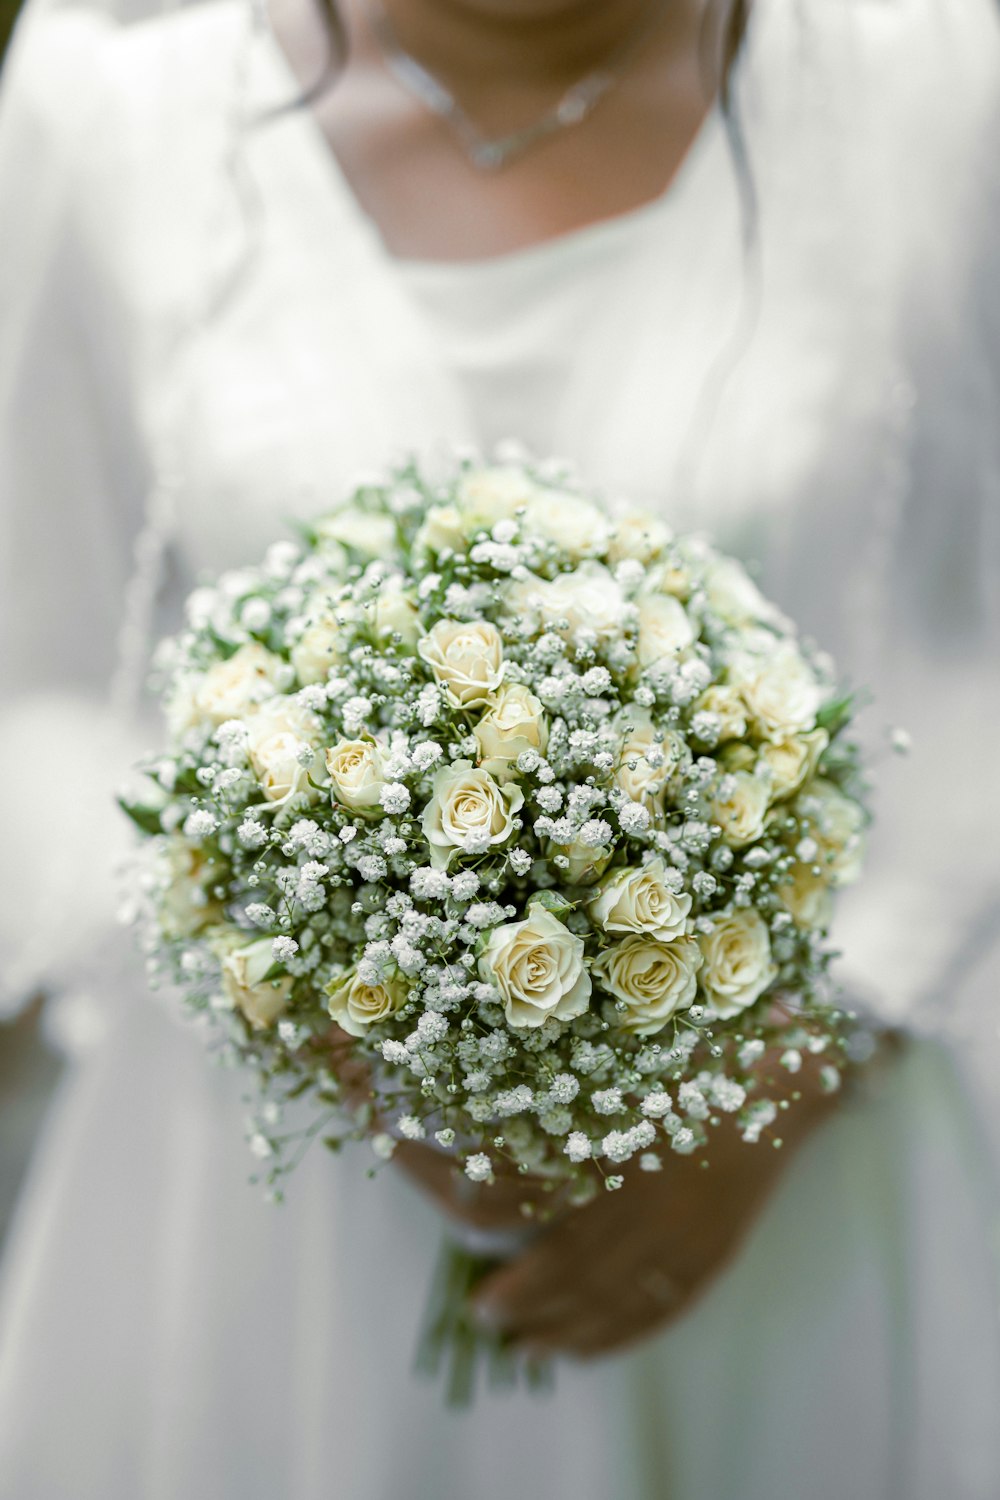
(395, 798)
(464, 885)
(478, 1167)
(578, 1147)
(432, 1027)
(395, 1053)
(411, 1128)
(607, 1101)
(656, 1104)
(200, 825)
(284, 948)
(260, 914)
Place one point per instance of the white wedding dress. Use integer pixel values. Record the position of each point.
(200, 335)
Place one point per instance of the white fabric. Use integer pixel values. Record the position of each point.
(230, 332)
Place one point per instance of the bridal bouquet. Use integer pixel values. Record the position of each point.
(542, 807)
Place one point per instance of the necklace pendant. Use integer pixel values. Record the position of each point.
(488, 156)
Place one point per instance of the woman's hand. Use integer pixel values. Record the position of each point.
(631, 1261)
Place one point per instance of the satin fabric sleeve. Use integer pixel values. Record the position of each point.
(70, 502)
(923, 934)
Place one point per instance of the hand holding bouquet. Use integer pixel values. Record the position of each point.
(542, 808)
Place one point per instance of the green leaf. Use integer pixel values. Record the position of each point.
(146, 819)
(835, 714)
(302, 530)
(552, 901)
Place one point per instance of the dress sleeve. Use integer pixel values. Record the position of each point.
(70, 481)
(925, 933)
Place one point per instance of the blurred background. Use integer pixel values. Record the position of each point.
(29, 1067)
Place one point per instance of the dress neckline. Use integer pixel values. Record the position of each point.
(581, 239)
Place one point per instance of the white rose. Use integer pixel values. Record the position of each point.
(638, 899)
(278, 736)
(728, 707)
(363, 531)
(467, 657)
(837, 824)
(649, 760)
(738, 966)
(807, 896)
(740, 806)
(732, 593)
(357, 775)
(515, 723)
(494, 494)
(185, 907)
(780, 691)
(538, 967)
(668, 577)
(466, 804)
(664, 629)
(574, 525)
(653, 980)
(444, 529)
(233, 688)
(792, 761)
(261, 1000)
(583, 863)
(356, 1006)
(637, 534)
(588, 598)
(395, 614)
(321, 644)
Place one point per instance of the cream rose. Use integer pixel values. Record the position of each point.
(732, 593)
(780, 691)
(185, 906)
(588, 598)
(728, 707)
(837, 825)
(357, 775)
(738, 966)
(443, 530)
(515, 723)
(279, 737)
(367, 532)
(466, 657)
(580, 864)
(261, 1000)
(653, 980)
(574, 525)
(640, 900)
(649, 760)
(637, 534)
(395, 614)
(232, 689)
(538, 967)
(668, 577)
(807, 897)
(740, 805)
(319, 646)
(792, 761)
(355, 1006)
(664, 629)
(468, 810)
(495, 493)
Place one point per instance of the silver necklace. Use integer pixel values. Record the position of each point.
(492, 153)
